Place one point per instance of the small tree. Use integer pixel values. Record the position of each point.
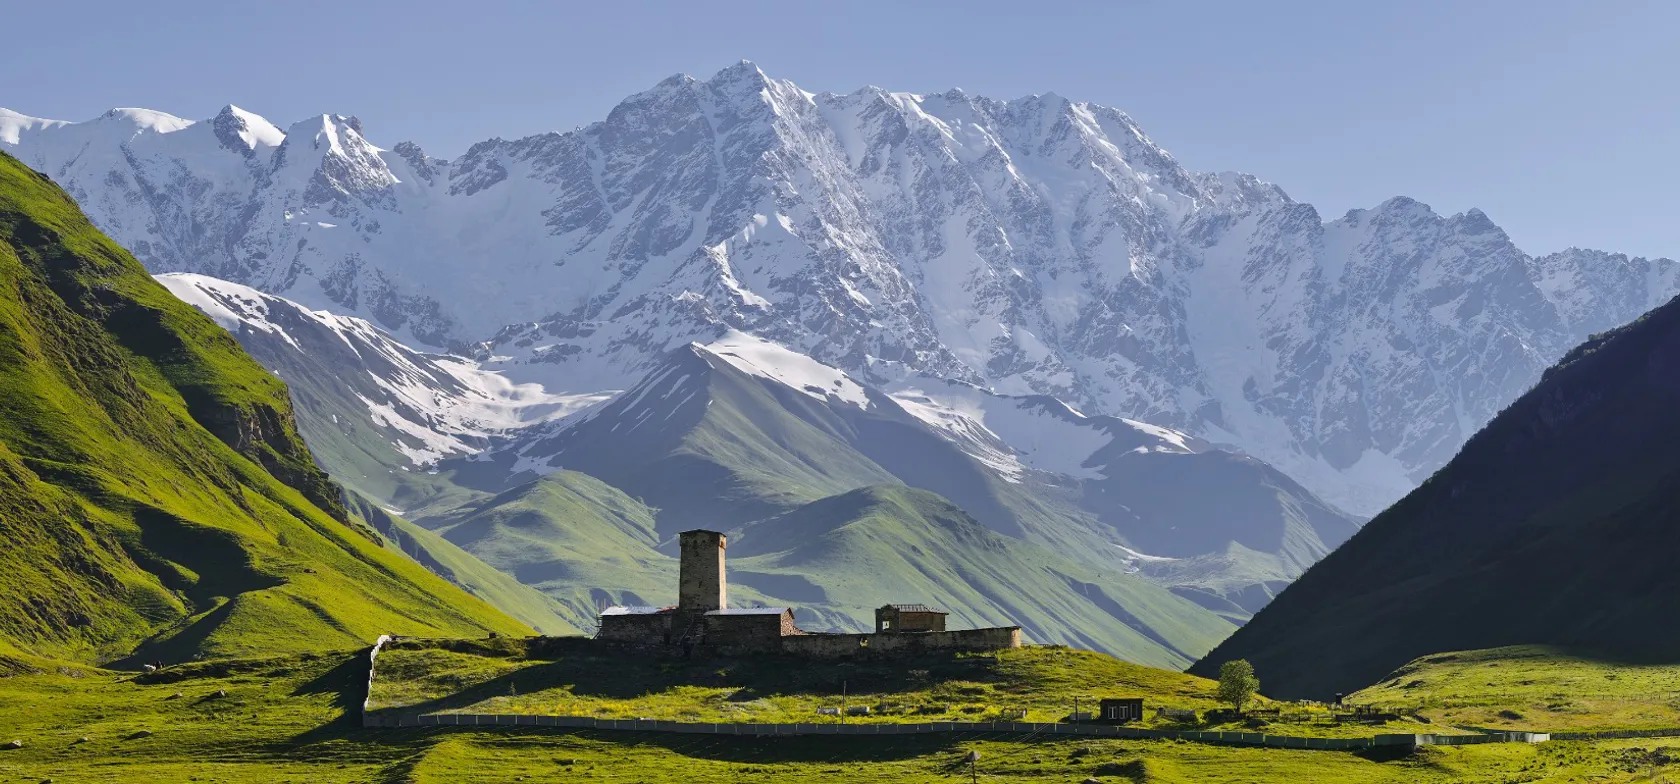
(1237, 684)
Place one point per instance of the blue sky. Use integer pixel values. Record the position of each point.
(1559, 119)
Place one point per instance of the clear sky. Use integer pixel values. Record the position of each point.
(1558, 119)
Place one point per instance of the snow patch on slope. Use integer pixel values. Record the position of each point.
(436, 405)
(759, 357)
(229, 304)
(1012, 434)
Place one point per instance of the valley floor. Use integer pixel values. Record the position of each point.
(294, 720)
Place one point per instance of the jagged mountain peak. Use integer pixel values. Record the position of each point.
(740, 69)
(252, 131)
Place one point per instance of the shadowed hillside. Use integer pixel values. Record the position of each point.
(1555, 525)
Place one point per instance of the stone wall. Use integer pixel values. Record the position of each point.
(650, 629)
(889, 619)
(838, 646)
(735, 634)
(921, 622)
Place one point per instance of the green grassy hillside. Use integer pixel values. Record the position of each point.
(835, 559)
(1531, 687)
(1553, 526)
(153, 489)
(711, 447)
(440, 556)
(848, 554)
(582, 543)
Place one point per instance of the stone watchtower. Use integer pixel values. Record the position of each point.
(701, 586)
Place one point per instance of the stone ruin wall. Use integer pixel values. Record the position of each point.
(839, 646)
(636, 629)
(745, 633)
(757, 634)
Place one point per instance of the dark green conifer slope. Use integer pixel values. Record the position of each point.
(1558, 523)
(154, 493)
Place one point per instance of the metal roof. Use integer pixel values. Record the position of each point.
(915, 608)
(644, 610)
(749, 611)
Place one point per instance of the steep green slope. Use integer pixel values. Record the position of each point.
(152, 484)
(1554, 525)
(846, 555)
(443, 558)
(581, 542)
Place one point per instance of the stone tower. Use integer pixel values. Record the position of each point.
(701, 586)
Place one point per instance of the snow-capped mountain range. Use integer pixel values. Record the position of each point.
(1032, 246)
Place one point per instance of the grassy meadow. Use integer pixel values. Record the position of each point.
(291, 720)
(1533, 688)
(578, 677)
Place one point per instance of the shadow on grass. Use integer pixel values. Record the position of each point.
(347, 682)
(589, 668)
(740, 749)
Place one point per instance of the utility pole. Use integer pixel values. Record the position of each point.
(843, 708)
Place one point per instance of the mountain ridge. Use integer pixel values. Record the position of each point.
(1033, 246)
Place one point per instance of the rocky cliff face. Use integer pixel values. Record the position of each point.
(1033, 246)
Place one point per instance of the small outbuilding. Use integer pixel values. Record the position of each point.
(1120, 710)
(908, 618)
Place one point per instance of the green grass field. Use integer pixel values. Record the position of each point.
(291, 720)
(1533, 688)
(579, 677)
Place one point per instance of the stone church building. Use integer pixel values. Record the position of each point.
(702, 620)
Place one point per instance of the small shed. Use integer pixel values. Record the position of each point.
(908, 618)
(1120, 710)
